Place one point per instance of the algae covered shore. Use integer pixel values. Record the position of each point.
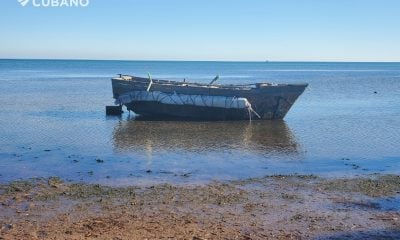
(271, 207)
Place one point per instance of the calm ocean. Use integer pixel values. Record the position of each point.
(53, 123)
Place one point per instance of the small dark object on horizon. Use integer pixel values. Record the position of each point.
(100, 160)
(114, 110)
(375, 92)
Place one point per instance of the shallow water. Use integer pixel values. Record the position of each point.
(52, 122)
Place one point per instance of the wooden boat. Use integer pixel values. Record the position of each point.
(164, 99)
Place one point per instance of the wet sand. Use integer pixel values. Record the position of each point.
(272, 207)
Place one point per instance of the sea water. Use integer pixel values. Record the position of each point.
(53, 123)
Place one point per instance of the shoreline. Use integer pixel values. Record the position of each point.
(271, 207)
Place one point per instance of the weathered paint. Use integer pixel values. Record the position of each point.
(268, 100)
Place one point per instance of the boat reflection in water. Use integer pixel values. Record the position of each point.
(265, 138)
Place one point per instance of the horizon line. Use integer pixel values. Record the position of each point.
(189, 60)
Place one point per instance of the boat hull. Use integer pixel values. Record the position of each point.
(156, 110)
(268, 101)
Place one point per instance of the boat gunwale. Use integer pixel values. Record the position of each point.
(129, 78)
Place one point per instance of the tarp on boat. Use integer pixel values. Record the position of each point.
(184, 99)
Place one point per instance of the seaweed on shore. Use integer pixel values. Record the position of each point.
(382, 185)
(18, 186)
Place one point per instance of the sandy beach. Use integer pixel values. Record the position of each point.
(272, 207)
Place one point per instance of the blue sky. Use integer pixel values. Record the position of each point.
(284, 30)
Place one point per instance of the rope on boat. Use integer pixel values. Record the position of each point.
(251, 110)
(151, 82)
